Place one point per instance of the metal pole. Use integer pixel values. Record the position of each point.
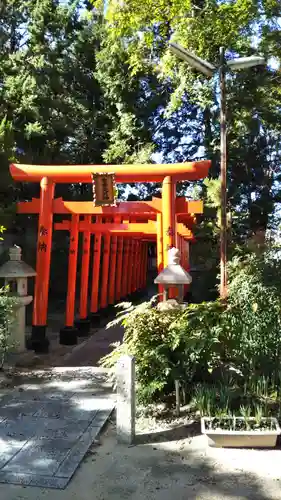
(223, 167)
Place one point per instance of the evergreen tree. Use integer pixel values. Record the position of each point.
(243, 28)
(65, 92)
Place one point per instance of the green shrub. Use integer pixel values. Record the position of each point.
(209, 342)
(150, 339)
(254, 315)
(7, 318)
(168, 345)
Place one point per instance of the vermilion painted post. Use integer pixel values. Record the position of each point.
(174, 216)
(134, 257)
(96, 274)
(187, 255)
(68, 334)
(135, 266)
(119, 269)
(72, 270)
(105, 271)
(130, 266)
(184, 251)
(39, 342)
(181, 249)
(84, 287)
(142, 266)
(126, 248)
(187, 263)
(112, 273)
(160, 265)
(168, 219)
(140, 260)
(145, 265)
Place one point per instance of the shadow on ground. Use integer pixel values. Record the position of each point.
(172, 434)
(155, 472)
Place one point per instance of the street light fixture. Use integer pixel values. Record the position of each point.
(209, 69)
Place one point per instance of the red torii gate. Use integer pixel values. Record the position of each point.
(121, 236)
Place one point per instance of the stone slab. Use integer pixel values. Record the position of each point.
(45, 437)
(15, 408)
(65, 410)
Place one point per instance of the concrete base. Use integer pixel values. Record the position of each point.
(68, 335)
(136, 295)
(83, 326)
(95, 319)
(38, 341)
(107, 311)
(110, 309)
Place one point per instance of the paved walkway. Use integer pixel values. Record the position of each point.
(100, 343)
(95, 347)
(49, 422)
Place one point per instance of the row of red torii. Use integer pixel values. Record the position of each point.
(122, 234)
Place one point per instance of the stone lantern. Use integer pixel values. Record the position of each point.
(173, 275)
(15, 272)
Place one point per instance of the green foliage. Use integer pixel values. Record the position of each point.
(66, 95)
(7, 319)
(94, 82)
(237, 344)
(150, 337)
(2, 229)
(192, 109)
(254, 315)
(168, 346)
(205, 399)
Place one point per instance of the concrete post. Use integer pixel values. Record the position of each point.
(126, 400)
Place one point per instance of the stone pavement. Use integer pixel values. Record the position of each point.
(95, 347)
(48, 423)
(100, 343)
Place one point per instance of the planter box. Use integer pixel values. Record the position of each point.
(221, 438)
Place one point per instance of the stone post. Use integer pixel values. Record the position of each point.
(126, 400)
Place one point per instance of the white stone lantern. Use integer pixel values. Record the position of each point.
(173, 275)
(16, 272)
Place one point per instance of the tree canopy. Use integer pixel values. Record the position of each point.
(94, 81)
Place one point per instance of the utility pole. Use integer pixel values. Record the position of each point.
(223, 178)
(209, 70)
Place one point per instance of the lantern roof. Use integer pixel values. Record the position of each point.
(15, 267)
(174, 274)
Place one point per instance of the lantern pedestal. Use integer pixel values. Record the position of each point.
(16, 272)
(18, 332)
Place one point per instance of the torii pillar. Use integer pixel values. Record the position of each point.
(168, 221)
(168, 216)
(39, 342)
(69, 333)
